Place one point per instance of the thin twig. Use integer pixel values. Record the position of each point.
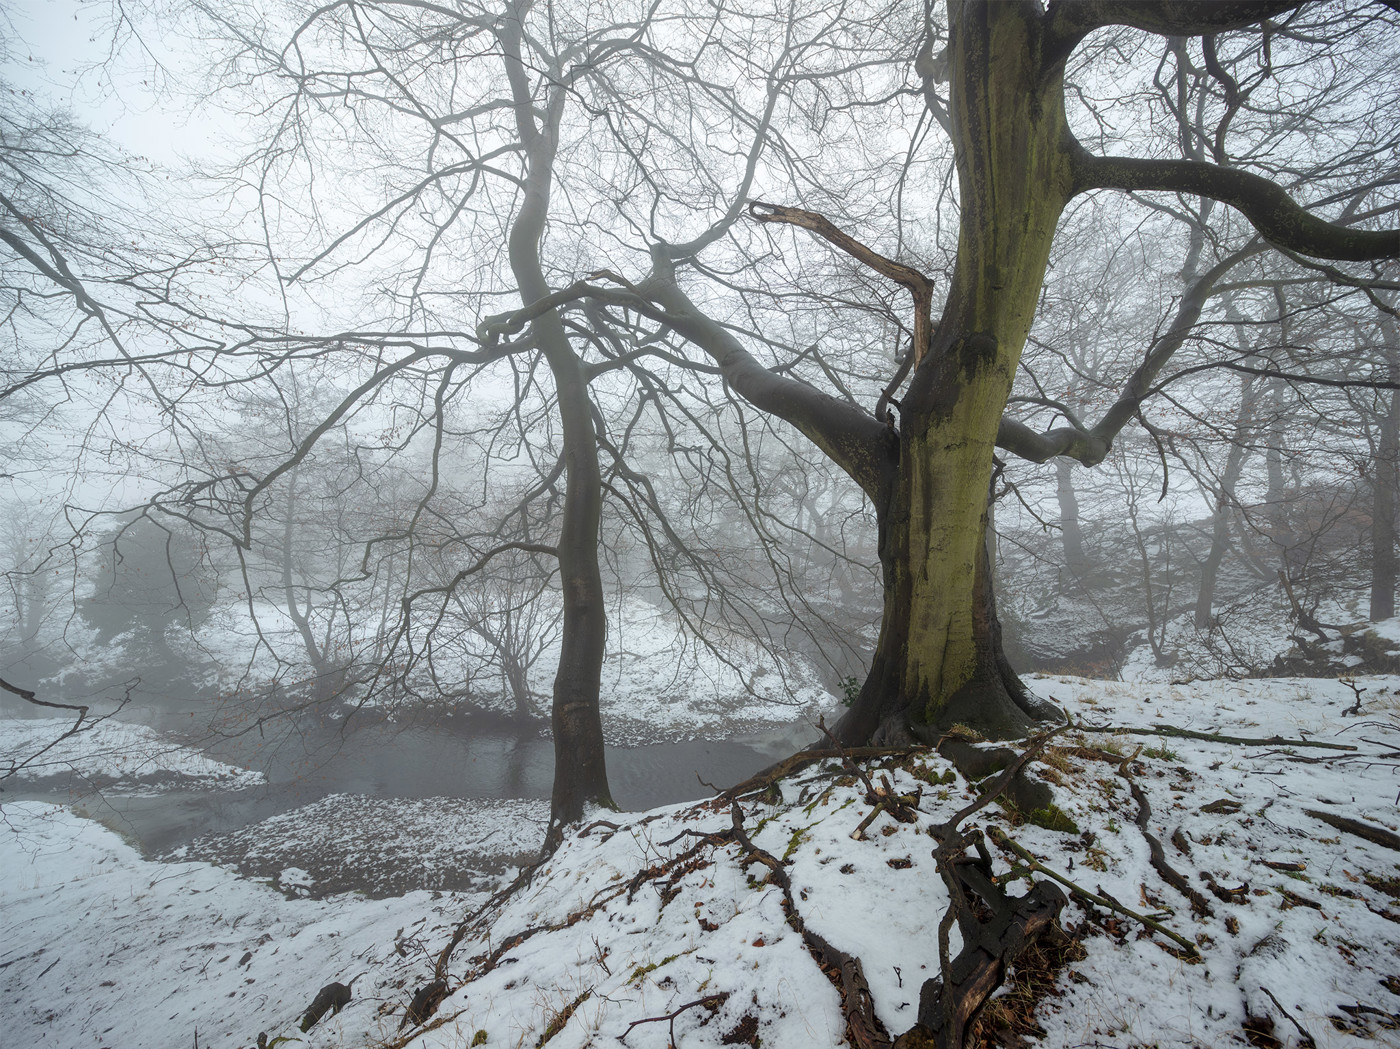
(1308, 1041)
(709, 999)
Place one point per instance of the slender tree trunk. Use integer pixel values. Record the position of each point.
(580, 776)
(939, 660)
(1386, 484)
(1072, 538)
(1225, 499)
(315, 654)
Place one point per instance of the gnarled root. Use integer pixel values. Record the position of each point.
(996, 929)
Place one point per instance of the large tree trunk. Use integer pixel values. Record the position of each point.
(938, 660)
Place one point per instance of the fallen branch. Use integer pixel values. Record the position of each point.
(1355, 709)
(1213, 737)
(1377, 835)
(526, 873)
(998, 786)
(1157, 855)
(999, 836)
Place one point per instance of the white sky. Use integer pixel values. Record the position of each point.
(63, 51)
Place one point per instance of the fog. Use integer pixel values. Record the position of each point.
(579, 381)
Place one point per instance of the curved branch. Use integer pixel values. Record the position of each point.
(1266, 205)
(481, 562)
(919, 285)
(1070, 21)
(855, 441)
(1021, 441)
(1089, 445)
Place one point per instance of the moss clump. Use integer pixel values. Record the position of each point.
(925, 774)
(1052, 817)
(642, 970)
(795, 841)
(478, 1039)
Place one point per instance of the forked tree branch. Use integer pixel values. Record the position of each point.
(1070, 21)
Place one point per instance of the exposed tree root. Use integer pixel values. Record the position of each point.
(710, 1001)
(1169, 874)
(863, 1027)
(1377, 835)
(785, 768)
(949, 1003)
(996, 929)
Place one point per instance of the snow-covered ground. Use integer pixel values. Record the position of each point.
(663, 916)
(101, 948)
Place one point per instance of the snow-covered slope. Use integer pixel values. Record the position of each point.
(668, 917)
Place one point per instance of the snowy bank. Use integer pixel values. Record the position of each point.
(119, 757)
(674, 919)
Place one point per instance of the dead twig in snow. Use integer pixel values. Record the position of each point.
(709, 1001)
(1355, 709)
(1307, 1040)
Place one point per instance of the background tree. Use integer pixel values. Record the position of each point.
(149, 580)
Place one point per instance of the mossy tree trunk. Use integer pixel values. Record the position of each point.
(938, 659)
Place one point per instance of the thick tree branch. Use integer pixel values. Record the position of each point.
(860, 445)
(1267, 206)
(1072, 20)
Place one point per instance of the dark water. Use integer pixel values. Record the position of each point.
(307, 762)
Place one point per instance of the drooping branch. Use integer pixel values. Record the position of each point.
(854, 440)
(1281, 220)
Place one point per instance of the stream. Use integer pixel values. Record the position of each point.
(332, 797)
